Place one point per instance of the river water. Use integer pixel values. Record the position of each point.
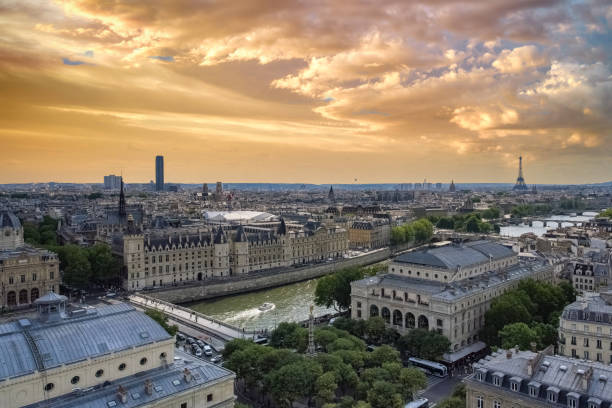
(539, 228)
(291, 304)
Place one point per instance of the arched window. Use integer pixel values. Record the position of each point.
(373, 310)
(122, 366)
(23, 297)
(34, 294)
(99, 373)
(75, 380)
(423, 322)
(11, 298)
(386, 315)
(409, 320)
(143, 361)
(397, 318)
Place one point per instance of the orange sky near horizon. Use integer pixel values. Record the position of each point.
(306, 91)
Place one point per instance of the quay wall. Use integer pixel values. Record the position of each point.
(211, 289)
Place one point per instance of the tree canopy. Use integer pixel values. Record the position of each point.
(162, 319)
(335, 289)
(342, 374)
(419, 231)
(536, 305)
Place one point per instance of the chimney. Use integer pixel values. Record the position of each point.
(534, 346)
(148, 387)
(586, 378)
(530, 367)
(509, 354)
(187, 375)
(122, 394)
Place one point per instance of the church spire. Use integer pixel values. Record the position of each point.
(122, 211)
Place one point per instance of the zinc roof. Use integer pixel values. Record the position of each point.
(100, 331)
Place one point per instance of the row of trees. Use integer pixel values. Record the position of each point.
(606, 213)
(529, 313)
(335, 289)
(341, 375)
(419, 231)
(41, 234)
(525, 210)
(472, 222)
(83, 266)
(417, 342)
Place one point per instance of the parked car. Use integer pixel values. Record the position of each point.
(190, 340)
(208, 351)
(180, 337)
(215, 359)
(197, 352)
(201, 344)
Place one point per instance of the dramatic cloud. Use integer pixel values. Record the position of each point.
(321, 91)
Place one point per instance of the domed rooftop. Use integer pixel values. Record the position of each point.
(10, 220)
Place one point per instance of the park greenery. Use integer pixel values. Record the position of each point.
(527, 314)
(606, 213)
(471, 222)
(335, 289)
(41, 234)
(526, 210)
(81, 267)
(418, 232)
(341, 375)
(162, 320)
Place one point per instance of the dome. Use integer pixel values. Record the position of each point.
(9, 220)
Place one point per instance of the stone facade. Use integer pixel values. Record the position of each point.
(369, 234)
(585, 328)
(517, 379)
(145, 373)
(25, 272)
(177, 260)
(423, 294)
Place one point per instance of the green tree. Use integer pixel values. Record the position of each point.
(426, 344)
(423, 230)
(381, 355)
(606, 213)
(326, 387)
(445, 223)
(103, 266)
(335, 290)
(397, 235)
(384, 395)
(75, 265)
(471, 225)
(517, 334)
(410, 381)
(375, 328)
(162, 320)
(491, 213)
(289, 335)
(293, 381)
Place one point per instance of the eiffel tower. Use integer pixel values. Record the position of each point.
(520, 181)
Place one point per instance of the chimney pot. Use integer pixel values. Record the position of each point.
(509, 354)
(148, 387)
(187, 375)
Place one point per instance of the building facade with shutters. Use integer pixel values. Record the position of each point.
(585, 328)
(519, 379)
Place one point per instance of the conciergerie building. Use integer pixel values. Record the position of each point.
(154, 260)
(112, 356)
(447, 288)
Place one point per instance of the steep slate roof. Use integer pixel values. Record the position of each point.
(101, 331)
(10, 220)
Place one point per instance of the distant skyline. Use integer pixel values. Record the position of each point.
(306, 92)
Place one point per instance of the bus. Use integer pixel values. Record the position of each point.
(418, 403)
(437, 369)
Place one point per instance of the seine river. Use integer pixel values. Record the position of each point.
(291, 304)
(540, 229)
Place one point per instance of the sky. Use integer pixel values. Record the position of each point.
(306, 91)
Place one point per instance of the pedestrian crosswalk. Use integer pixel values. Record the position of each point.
(432, 380)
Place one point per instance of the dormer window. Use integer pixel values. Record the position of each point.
(498, 378)
(572, 399)
(594, 402)
(553, 394)
(534, 389)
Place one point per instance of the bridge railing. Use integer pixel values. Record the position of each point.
(152, 302)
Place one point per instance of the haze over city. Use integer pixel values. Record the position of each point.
(320, 92)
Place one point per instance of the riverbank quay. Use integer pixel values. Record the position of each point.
(193, 319)
(232, 285)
